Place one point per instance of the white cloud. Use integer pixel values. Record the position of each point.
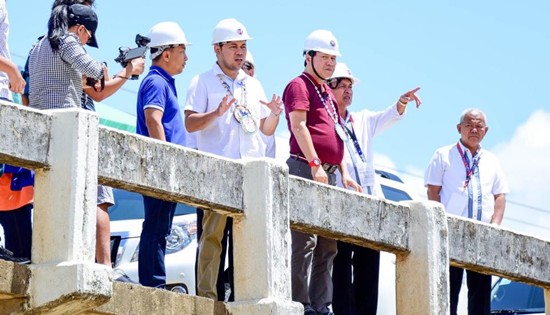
(525, 162)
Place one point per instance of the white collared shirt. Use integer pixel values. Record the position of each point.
(224, 136)
(366, 125)
(447, 169)
(4, 50)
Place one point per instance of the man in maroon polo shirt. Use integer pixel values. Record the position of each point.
(316, 152)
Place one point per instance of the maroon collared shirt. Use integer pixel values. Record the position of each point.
(300, 94)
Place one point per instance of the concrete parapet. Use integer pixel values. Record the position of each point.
(14, 281)
(265, 306)
(262, 243)
(66, 193)
(170, 171)
(67, 288)
(423, 273)
(137, 300)
(493, 250)
(348, 216)
(24, 135)
(65, 278)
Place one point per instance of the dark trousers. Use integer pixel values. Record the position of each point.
(152, 244)
(227, 245)
(357, 293)
(17, 226)
(479, 291)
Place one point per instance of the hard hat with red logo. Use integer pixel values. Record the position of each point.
(322, 41)
(229, 30)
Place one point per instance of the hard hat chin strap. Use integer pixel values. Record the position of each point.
(312, 54)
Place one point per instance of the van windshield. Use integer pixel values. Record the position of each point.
(129, 206)
(509, 297)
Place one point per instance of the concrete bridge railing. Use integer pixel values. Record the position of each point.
(71, 153)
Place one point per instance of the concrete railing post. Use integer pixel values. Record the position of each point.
(65, 278)
(262, 243)
(423, 273)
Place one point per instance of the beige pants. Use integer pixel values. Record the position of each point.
(210, 249)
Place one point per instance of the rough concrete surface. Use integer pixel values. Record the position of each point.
(171, 171)
(422, 274)
(490, 249)
(263, 268)
(14, 281)
(137, 300)
(348, 216)
(24, 135)
(265, 307)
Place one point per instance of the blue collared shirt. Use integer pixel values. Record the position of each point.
(158, 91)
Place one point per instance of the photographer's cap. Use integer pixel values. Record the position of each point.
(84, 15)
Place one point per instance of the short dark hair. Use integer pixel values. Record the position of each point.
(311, 53)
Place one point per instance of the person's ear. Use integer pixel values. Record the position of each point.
(217, 49)
(166, 54)
(459, 128)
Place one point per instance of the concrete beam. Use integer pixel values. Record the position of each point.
(137, 300)
(422, 279)
(65, 211)
(14, 279)
(493, 250)
(261, 243)
(24, 135)
(169, 171)
(348, 216)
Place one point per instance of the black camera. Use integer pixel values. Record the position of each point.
(127, 54)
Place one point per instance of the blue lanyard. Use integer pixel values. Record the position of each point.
(471, 170)
(353, 136)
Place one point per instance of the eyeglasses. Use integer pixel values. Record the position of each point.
(89, 34)
(248, 65)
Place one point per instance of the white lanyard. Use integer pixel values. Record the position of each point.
(228, 89)
(334, 114)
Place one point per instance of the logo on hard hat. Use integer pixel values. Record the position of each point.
(239, 31)
(349, 72)
(332, 43)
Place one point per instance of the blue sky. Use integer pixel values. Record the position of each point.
(488, 54)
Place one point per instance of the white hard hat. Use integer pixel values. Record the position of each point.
(249, 57)
(322, 41)
(342, 71)
(165, 34)
(229, 30)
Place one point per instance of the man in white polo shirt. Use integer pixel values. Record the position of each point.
(227, 110)
(468, 181)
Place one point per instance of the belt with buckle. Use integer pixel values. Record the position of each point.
(329, 168)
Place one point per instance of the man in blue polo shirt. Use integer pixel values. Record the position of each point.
(159, 117)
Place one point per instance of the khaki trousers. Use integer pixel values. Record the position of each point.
(210, 249)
